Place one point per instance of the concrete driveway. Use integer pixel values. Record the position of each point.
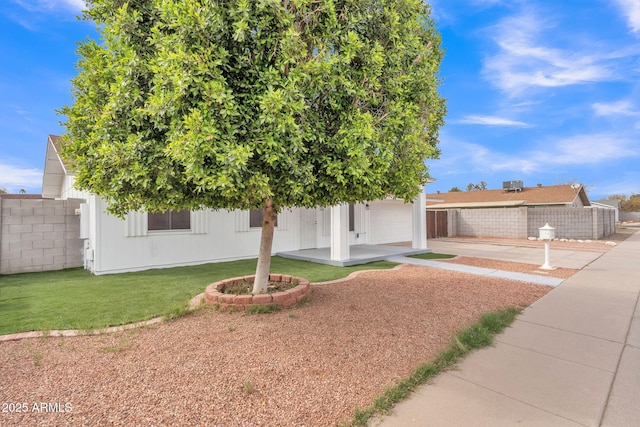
(568, 258)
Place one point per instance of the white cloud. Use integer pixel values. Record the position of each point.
(52, 5)
(631, 10)
(14, 178)
(36, 15)
(77, 5)
(447, 12)
(589, 149)
(523, 61)
(620, 108)
(627, 183)
(489, 121)
(461, 157)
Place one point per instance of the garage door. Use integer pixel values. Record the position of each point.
(390, 222)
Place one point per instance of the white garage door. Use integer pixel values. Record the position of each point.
(390, 222)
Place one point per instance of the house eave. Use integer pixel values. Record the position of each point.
(54, 172)
(497, 204)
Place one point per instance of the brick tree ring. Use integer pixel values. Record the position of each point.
(215, 295)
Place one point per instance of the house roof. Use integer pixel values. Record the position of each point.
(54, 169)
(613, 203)
(529, 196)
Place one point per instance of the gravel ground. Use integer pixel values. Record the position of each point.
(306, 366)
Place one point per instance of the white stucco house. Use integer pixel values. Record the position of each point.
(143, 241)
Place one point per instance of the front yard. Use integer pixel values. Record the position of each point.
(75, 299)
(310, 365)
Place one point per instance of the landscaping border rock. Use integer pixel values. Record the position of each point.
(214, 293)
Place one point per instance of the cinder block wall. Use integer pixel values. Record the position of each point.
(572, 223)
(606, 219)
(39, 235)
(629, 216)
(522, 222)
(494, 222)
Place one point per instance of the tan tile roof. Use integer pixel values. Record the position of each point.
(549, 195)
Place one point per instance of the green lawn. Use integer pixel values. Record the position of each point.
(75, 299)
(431, 255)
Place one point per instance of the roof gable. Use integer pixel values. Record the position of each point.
(54, 169)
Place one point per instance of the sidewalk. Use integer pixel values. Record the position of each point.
(571, 359)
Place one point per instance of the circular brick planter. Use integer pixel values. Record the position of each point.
(215, 296)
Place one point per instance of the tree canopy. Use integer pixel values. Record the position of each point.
(476, 187)
(627, 204)
(224, 104)
(247, 104)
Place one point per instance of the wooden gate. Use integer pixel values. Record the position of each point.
(436, 224)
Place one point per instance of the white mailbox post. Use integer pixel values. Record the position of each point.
(547, 233)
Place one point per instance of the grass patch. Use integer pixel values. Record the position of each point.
(431, 255)
(123, 344)
(476, 336)
(36, 355)
(249, 387)
(76, 299)
(176, 311)
(263, 308)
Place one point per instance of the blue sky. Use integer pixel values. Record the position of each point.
(541, 91)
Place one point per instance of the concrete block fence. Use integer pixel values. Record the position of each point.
(523, 222)
(630, 216)
(39, 234)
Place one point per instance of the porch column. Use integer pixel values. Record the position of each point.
(340, 232)
(419, 220)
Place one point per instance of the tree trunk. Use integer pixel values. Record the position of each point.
(266, 242)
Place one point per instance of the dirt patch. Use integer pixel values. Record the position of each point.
(311, 365)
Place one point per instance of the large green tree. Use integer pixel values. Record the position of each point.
(254, 104)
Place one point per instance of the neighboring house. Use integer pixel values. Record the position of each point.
(143, 241)
(570, 195)
(517, 212)
(609, 204)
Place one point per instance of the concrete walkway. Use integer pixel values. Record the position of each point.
(571, 359)
(500, 274)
